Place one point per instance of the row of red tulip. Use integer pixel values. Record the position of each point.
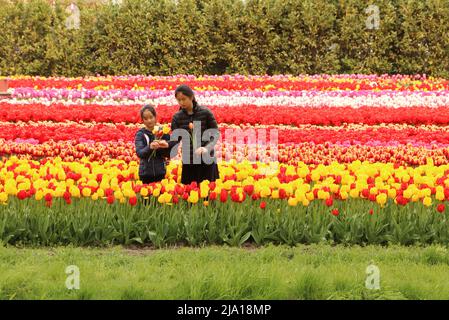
(249, 114)
(345, 135)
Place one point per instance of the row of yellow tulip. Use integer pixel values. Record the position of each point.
(117, 180)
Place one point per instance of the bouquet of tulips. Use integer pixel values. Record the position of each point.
(159, 132)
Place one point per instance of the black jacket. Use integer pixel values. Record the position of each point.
(150, 165)
(182, 119)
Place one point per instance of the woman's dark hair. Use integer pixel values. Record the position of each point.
(187, 91)
(148, 107)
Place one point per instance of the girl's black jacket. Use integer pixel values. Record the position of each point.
(150, 165)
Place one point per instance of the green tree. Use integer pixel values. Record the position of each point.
(424, 41)
(367, 44)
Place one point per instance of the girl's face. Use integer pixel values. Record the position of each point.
(149, 120)
(184, 101)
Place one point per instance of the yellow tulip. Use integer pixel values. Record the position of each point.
(100, 193)
(265, 192)
(118, 195)
(204, 191)
(74, 191)
(310, 196)
(61, 175)
(315, 176)
(11, 187)
(439, 196)
(334, 188)
(3, 197)
(321, 194)
(86, 192)
(299, 195)
(144, 192)
(354, 193)
(193, 197)
(165, 130)
(407, 193)
(381, 198)
(344, 195)
(167, 197)
(292, 202)
(392, 193)
(39, 195)
(128, 193)
(92, 183)
(156, 192)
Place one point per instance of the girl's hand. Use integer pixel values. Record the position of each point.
(154, 145)
(162, 144)
(200, 151)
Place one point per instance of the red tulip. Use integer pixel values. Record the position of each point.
(110, 199)
(21, 194)
(213, 196)
(132, 201)
(223, 195)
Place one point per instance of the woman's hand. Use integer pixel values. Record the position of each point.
(200, 151)
(162, 144)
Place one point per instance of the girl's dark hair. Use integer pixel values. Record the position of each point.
(148, 107)
(187, 91)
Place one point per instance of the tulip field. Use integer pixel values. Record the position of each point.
(359, 159)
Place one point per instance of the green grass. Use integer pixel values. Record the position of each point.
(272, 272)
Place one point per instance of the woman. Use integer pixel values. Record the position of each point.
(194, 166)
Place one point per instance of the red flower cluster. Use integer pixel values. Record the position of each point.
(305, 152)
(286, 135)
(249, 114)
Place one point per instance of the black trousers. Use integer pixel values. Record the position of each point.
(199, 172)
(150, 179)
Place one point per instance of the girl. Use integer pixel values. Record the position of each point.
(150, 151)
(189, 114)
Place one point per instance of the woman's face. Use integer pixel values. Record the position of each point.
(184, 101)
(149, 120)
